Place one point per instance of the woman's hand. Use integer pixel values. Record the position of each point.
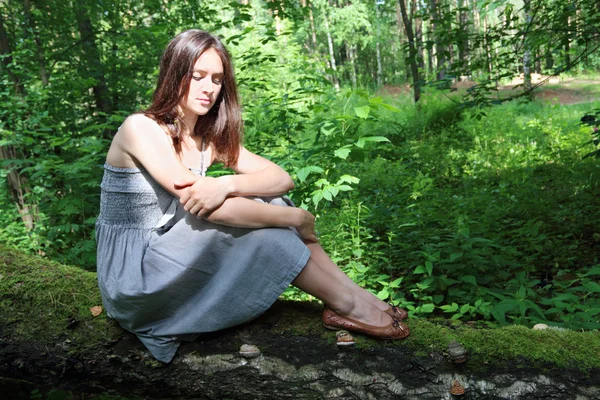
(204, 194)
(306, 229)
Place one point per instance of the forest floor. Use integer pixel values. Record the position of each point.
(555, 90)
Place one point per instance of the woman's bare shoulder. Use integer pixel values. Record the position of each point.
(140, 127)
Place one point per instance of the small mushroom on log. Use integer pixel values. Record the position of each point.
(457, 353)
(457, 389)
(249, 351)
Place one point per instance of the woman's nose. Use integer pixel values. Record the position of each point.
(207, 86)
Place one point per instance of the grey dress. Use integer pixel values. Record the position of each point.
(167, 276)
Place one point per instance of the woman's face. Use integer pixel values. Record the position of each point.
(205, 85)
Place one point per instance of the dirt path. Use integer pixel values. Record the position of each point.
(554, 91)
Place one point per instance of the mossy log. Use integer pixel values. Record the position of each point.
(49, 340)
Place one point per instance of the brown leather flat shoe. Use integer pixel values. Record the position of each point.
(395, 330)
(396, 312)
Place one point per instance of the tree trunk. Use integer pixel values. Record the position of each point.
(439, 47)
(32, 27)
(488, 51)
(527, 50)
(402, 37)
(412, 51)
(19, 189)
(49, 340)
(378, 47)
(92, 58)
(567, 42)
(414, 11)
(313, 31)
(7, 59)
(351, 58)
(17, 183)
(334, 77)
(462, 42)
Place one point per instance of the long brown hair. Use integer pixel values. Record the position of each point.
(222, 125)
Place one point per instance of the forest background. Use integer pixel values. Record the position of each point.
(410, 127)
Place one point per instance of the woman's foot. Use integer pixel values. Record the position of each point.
(393, 330)
(396, 312)
(389, 309)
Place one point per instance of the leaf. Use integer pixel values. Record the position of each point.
(362, 112)
(451, 308)
(396, 283)
(465, 308)
(383, 294)
(502, 308)
(342, 152)
(593, 271)
(328, 129)
(429, 267)
(419, 270)
(96, 310)
(592, 287)
(427, 308)
(348, 179)
(455, 256)
(303, 173)
(363, 140)
(469, 279)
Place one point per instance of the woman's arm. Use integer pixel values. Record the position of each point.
(256, 176)
(141, 141)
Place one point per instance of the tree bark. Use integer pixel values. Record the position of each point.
(48, 340)
(17, 182)
(414, 11)
(19, 189)
(334, 77)
(527, 51)
(378, 46)
(291, 366)
(412, 51)
(313, 31)
(7, 60)
(32, 26)
(439, 47)
(462, 42)
(93, 62)
(351, 58)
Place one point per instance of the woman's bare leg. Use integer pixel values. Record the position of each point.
(338, 293)
(335, 273)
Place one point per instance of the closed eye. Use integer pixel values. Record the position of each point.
(216, 81)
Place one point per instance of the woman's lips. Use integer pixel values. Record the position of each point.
(204, 101)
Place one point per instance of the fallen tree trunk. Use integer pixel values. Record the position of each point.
(57, 348)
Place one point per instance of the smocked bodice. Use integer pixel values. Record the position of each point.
(131, 197)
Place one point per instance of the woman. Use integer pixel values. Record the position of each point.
(180, 253)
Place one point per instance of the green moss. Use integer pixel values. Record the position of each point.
(562, 348)
(44, 301)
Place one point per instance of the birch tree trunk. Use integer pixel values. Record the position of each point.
(334, 77)
(527, 51)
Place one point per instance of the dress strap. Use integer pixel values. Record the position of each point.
(202, 169)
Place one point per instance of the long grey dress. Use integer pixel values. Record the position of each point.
(167, 276)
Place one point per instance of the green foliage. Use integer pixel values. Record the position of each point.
(465, 212)
(479, 220)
